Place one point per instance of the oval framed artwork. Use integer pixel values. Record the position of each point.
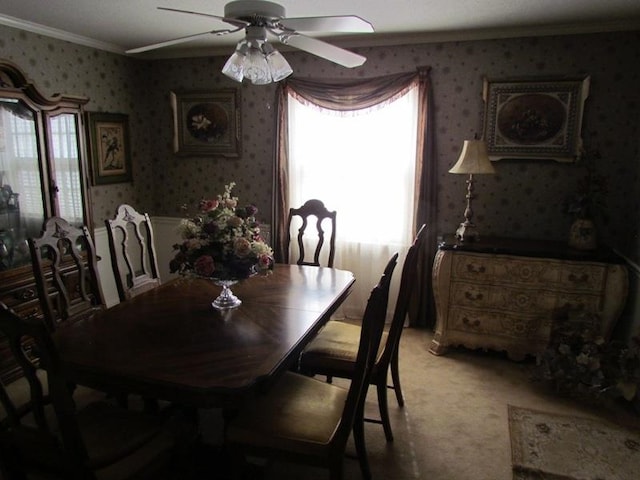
(534, 118)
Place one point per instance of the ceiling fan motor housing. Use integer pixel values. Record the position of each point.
(254, 11)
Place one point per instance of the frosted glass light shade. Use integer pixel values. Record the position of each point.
(280, 68)
(234, 68)
(256, 60)
(256, 68)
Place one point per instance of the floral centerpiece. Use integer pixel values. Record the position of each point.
(222, 242)
(580, 362)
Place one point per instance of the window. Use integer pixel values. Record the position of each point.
(360, 163)
(65, 159)
(19, 161)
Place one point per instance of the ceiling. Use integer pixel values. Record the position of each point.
(118, 25)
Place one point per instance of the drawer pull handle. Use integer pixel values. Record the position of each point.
(469, 323)
(31, 313)
(471, 296)
(27, 294)
(473, 269)
(584, 278)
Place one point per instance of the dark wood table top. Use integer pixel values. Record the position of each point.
(169, 343)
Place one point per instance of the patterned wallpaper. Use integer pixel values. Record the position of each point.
(524, 198)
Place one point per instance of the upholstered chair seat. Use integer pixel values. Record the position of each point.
(337, 347)
(305, 423)
(333, 351)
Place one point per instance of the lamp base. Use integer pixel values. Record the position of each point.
(467, 232)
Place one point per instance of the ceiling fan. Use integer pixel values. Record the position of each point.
(255, 54)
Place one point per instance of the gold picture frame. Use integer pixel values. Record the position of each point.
(535, 118)
(206, 123)
(108, 137)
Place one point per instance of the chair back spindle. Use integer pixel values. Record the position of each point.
(310, 209)
(65, 268)
(133, 253)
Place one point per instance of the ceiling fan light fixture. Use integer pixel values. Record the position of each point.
(256, 60)
(234, 68)
(280, 68)
(256, 68)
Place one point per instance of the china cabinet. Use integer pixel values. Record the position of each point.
(501, 294)
(43, 172)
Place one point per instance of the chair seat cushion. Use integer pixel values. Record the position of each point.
(121, 444)
(333, 351)
(111, 433)
(299, 414)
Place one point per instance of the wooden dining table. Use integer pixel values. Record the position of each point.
(170, 344)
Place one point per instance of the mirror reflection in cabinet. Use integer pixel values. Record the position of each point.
(43, 173)
(42, 164)
(21, 200)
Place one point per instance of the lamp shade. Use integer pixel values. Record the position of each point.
(473, 159)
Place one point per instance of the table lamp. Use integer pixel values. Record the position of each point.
(473, 160)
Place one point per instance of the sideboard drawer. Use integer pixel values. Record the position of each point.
(481, 268)
(500, 323)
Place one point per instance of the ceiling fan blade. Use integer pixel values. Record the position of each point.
(323, 49)
(233, 21)
(346, 23)
(174, 41)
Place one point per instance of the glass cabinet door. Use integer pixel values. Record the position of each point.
(22, 202)
(65, 164)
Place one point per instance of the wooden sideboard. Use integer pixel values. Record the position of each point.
(500, 294)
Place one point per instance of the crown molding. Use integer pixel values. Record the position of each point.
(346, 41)
(59, 34)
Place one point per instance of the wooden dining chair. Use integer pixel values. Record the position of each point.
(312, 208)
(133, 253)
(57, 440)
(333, 351)
(65, 268)
(304, 420)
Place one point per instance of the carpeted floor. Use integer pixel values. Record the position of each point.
(454, 426)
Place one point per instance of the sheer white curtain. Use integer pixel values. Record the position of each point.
(362, 164)
(19, 164)
(65, 159)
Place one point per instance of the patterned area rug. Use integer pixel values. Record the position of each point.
(546, 446)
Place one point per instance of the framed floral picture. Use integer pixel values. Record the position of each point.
(534, 118)
(108, 135)
(206, 123)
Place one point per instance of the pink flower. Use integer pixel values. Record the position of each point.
(235, 222)
(264, 262)
(208, 205)
(242, 247)
(204, 266)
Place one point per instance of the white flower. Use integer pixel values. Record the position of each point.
(188, 228)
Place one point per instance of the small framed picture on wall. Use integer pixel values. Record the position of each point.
(535, 118)
(108, 135)
(206, 123)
